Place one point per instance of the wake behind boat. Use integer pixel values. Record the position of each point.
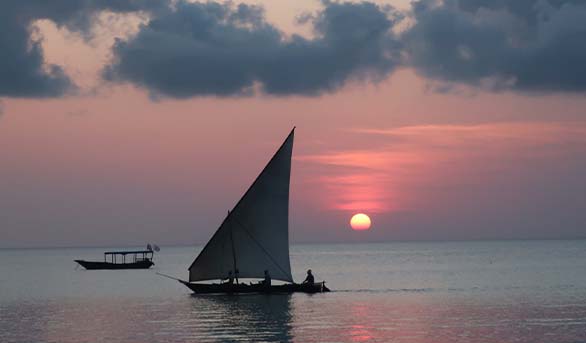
(253, 240)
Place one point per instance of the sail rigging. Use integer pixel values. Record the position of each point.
(255, 235)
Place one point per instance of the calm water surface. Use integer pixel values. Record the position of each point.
(508, 291)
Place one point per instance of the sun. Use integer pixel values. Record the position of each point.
(360, 221)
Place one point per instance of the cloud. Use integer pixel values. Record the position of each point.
(23, 72)
(189, 49)
(221, 49)
(523, 45)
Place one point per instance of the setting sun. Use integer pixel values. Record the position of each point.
(360, 221)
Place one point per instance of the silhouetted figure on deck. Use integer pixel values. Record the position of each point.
(230, 279)
(309, 280)
(267, 281)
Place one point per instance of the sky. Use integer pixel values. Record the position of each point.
(126, 122)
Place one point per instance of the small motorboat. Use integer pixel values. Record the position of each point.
(138, 259)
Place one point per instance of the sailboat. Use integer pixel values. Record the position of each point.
(253, 239)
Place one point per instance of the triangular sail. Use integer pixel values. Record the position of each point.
(255, 235)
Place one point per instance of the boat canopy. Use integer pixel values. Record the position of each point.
(254, 237)
(128, 252)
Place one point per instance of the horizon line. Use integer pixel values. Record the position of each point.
(196, 245)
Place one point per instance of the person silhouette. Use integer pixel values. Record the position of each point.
(267, 281)
(309, 280)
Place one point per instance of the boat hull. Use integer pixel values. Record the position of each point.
(93, 265)
(203, 288)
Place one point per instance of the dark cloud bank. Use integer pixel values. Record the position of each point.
(211, 48)
(22, 73)
(526, 45)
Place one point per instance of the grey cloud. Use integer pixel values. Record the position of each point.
(220, 49)
(21, 63)
(211, 48)
(22, 69)
(529, 10)
(524, 45)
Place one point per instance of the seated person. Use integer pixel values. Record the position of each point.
(229, 279)
(309, 279)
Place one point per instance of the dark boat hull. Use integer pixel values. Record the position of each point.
(92, 265)
(203, 288)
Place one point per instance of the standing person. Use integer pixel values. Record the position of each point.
(267, 281)
(309, 279)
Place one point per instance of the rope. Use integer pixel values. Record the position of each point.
(260, 246)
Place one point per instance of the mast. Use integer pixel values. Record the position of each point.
(233, 253)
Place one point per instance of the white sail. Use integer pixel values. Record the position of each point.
(255, 235)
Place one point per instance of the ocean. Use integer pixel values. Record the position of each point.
(403, 292)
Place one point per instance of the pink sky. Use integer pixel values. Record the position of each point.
(111, 166)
